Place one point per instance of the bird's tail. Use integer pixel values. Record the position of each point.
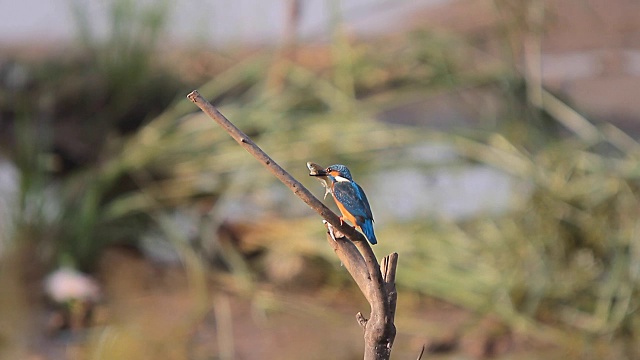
(367, 229)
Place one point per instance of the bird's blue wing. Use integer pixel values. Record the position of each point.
(353, 199)
(365, 201)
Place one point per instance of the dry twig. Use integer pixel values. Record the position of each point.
(354, 251)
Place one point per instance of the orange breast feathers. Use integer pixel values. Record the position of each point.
(347, 215)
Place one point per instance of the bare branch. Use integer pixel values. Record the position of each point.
(350, 257)
(421, 352)
(389, 265)
(355, 253)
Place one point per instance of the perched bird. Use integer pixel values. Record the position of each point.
(349, 197)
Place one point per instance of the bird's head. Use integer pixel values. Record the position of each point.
(339, 171)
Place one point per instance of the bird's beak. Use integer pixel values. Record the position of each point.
(316, 170)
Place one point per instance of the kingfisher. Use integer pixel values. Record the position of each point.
(349, 197)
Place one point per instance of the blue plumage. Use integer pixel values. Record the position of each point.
(367, 229)
(351, 200)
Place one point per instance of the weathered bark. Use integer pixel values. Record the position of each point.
(377, 286)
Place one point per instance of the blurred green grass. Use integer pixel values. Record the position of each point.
(561, 267)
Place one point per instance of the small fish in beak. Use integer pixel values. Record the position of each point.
(319, 173)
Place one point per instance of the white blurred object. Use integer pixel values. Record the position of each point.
(66, 284)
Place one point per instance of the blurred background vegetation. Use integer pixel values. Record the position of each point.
(515, 216)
